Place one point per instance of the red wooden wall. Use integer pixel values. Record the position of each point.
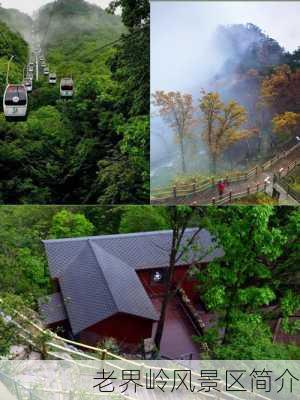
(189, 285)
(123, 327)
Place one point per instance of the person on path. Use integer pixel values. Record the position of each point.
(221, 188)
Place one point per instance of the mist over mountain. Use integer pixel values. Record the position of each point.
(245, 57)
(17, 21)
(65, 20)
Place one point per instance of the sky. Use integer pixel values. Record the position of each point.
(29, 6)
(181, 32)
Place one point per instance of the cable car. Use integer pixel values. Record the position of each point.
(52, 79)
(46, 71)
(28, 84)
(30, 69)
(15, 103)
(43, 64)
(66, 87)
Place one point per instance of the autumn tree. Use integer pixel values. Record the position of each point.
(221, 125)
(286, 123)
(281, 90)
(177, 110)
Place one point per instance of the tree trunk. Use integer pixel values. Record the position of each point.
(162, 319)
(168, 293)
(183, 166)
(277, 329)
(213, 167)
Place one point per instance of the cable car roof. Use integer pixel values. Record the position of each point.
(67, 81)
(13, 86)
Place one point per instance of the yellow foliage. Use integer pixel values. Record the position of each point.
(286, 122)
(222, 123)
(177, 109)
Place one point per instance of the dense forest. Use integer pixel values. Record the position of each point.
(255, 282)
(93, 148)
(242, 116)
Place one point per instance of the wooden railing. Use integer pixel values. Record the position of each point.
(231, 196)
(280, 175)
(184, 190)
(56, 349)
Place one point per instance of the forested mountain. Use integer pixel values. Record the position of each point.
(17, 21)
(66, 20)
(255, 90)
(11, 43)
(94, 147)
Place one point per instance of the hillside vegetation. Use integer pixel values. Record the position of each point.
(17, 21)
(94, 147)
(11, 43)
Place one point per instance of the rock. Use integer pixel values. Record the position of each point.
(149, 348)
(18, 352)
(34, 355)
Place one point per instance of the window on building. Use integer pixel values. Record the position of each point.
(158, 276)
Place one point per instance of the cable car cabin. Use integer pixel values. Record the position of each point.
(52, 79)
(46, 71)
(15, 103)
(66, 87)
(28, 84)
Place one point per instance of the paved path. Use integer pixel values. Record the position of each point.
(178, 331)
(206, 196)
(284, 199)
(5, 393)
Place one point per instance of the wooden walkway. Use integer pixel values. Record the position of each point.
(252, 185)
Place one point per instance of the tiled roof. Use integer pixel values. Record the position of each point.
(96, 286)
(98, 278)
(52, 309)
(138, 250)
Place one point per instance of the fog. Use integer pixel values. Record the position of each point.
(181, 34)
(29, 6)
(186, 57)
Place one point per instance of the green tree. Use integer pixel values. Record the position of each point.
(247, 279)
(143, 219)
(68, 224)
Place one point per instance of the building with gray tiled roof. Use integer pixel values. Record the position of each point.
(99, 281)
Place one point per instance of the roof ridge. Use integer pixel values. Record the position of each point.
(73, 258)
(119, 235)
(130, 269)
(85, 243)
(104, 277)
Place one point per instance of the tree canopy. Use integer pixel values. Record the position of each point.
(93, 148)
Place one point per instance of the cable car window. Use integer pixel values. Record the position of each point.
(16, 96)
(67, 87)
